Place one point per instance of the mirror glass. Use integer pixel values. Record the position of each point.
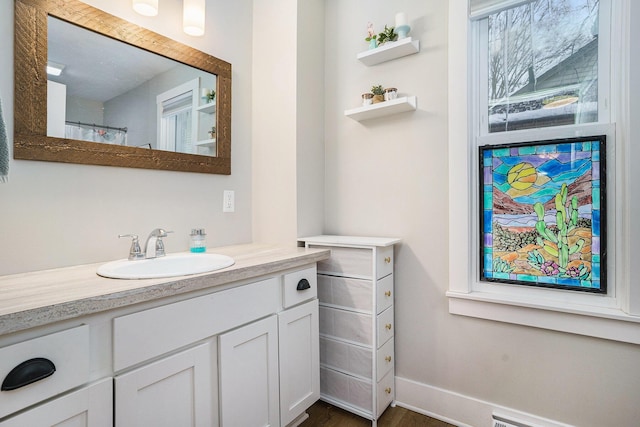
(114, 93)
(126, 96)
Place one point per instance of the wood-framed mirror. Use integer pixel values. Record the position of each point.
(33, 138)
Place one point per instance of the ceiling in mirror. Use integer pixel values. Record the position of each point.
(125, 97)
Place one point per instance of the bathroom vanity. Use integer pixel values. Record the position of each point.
(236, 347)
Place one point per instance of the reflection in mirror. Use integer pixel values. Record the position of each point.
(123, 95)
(171, 111)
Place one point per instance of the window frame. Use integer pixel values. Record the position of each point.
(609, 315)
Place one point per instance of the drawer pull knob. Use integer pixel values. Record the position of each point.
(387, 294)
(303, 284)
(388, 260)
(388, 358)
(28, 372)
(388, 326)
(387, 390)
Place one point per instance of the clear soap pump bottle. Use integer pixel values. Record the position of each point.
(198, 243)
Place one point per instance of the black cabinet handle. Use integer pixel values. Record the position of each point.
(28, 372)
(303, 284)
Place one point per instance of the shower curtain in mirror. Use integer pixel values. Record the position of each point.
(96, 133)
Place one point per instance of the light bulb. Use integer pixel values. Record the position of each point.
(193, 17)
(146, 7)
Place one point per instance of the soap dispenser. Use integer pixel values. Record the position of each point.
(198, 243)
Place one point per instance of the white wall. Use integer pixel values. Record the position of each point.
(288, 95)
(55, 214)
(390, 177)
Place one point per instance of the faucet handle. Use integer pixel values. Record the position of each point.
(159, 232)
(134, 252)
(159, 243)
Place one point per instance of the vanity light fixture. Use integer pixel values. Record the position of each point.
(146, 7)
(54, 69)
(193, 17)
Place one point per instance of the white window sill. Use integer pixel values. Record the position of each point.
(607, 323)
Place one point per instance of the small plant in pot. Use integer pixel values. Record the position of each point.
(387, 35)
(211, 95)
(371, 36)
(378, 93)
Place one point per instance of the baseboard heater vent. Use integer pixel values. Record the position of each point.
(499, 421)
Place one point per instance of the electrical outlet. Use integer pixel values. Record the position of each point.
(228, 201)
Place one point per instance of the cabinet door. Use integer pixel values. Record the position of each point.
(175, 391)
(88, 407)
(249, 395)
(299, 360)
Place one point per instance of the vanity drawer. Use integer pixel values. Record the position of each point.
(67, 350)
(357, 262)
(346, 325)
(169, 327)
(351, 390)
(386, 326)
(355, 294)
(296, 290)
(344, 357)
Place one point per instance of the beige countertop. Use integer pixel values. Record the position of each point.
(38, 298)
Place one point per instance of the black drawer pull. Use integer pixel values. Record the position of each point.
(28, 372)
(303, 284)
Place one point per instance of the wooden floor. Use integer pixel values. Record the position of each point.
(322, 414)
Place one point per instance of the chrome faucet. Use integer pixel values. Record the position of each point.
(157, 244)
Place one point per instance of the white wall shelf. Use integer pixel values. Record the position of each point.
(389, 51)
(206, 142)
(209, 108)
(386, 108)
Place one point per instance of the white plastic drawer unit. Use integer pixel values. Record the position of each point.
(357, 262)
(344, 357)
(346, 325)
(34, 370)
(355, 294)
(355, 360)
(300, 286)
(351, 390)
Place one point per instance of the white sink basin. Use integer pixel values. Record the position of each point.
(179, 264)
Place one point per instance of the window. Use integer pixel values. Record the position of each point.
(616, 313)
(539, 67)
(176, 122)
(542, 65)
(175, 133)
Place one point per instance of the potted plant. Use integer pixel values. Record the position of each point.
(371, 36)
(211, 95)
(387, 35)
(378, 93)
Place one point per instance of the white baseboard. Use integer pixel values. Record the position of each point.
(458, 409)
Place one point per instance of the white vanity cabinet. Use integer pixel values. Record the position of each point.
(230, 362)
(47, 366)
(175, 391)
(243, 354)
(249, 386)
(355, 289)
(91, 406)
(273, 365)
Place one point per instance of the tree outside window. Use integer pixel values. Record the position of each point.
(543, 65)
